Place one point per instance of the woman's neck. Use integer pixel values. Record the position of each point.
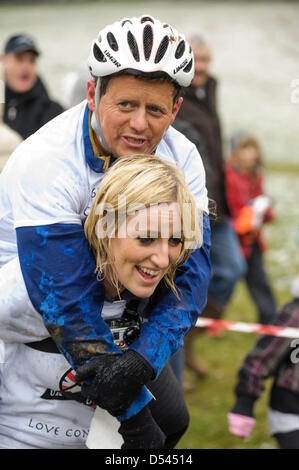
(111, 291)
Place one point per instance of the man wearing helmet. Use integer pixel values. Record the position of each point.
(138, 66)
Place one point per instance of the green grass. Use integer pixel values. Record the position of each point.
(214, 395)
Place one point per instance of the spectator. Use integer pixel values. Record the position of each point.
(74, 86)
(273, 357)
(199, 112)
(9, 141)
(27, 104)
(250, 209)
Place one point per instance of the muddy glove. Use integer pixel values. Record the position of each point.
(141, 432)
(114, 381)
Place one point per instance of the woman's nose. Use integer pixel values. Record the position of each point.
(160, 257)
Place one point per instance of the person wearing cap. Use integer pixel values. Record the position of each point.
(138, 68)
(27, 104)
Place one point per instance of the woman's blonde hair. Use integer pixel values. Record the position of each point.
(132, 183)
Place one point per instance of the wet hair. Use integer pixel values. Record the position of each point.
(141, 181)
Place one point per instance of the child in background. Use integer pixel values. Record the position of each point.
(250, 209)
(272, 357)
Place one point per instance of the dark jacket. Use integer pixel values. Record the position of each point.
(202, 114)
(27, 112)
(276, 357)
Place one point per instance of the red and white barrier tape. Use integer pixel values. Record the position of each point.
(284, 331)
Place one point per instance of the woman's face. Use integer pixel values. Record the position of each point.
(145, 247)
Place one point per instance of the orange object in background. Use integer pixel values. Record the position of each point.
(245, 222)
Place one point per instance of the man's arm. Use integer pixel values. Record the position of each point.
(58, 270)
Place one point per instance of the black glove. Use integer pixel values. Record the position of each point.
(114, 380)
(141, 432)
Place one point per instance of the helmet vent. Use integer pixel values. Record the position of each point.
(162, 49)
(147, 41)
(133, 46)
(98, 53)
(144, 19)
(126, 21)
(112, 41)
(180, 50)
(188, 66)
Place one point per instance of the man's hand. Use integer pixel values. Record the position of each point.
(141, 432)
(114, 381)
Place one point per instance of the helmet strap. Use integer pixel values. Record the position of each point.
(95, 121)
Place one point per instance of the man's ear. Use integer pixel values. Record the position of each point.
(90, 94)
(176, 109)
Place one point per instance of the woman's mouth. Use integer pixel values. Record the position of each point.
(149, 276)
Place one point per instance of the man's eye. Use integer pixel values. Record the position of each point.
(175, 241)
(124, 104)
(155, 110)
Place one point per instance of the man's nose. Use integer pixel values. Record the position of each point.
(139, 121)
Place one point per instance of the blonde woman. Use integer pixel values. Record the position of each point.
(148, 199)
(142, 226)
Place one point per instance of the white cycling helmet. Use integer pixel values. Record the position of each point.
(139, 45)
(142, 44)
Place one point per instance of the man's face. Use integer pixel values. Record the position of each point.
(202, 61)
(134, 113)
(20, 71)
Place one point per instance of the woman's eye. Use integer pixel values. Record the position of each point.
(175, 241)
(146, 240)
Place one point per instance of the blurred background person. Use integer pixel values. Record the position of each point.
(199, 115)
(274, 357)
(74, 86)
(250, 210)
(27, 105)
(9, 139)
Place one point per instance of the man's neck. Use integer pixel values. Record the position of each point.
(99, 146)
